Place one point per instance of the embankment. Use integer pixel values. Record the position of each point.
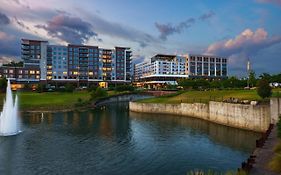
(249, 117)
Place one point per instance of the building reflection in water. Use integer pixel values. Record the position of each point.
(104, 121)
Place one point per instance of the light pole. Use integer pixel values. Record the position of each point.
(248, 72)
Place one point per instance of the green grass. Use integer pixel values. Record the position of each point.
(206, 96)
(48, 100)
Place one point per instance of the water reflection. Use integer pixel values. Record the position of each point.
(112, 140)
(235, 138)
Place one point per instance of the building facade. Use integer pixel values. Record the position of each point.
(169, 68)
(44, 62)
(34, 55)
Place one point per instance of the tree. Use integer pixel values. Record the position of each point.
(14, 64)
(264, 90)
(3, 84)
(252, 79)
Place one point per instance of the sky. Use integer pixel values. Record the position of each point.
(239, 30)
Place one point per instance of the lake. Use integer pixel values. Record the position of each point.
(111, 140)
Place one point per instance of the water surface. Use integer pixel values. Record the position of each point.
(111, 140)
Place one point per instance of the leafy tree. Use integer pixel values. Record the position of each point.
(186, 83)
(14, 64)
(215, 84)
(252, 79)
(3, 84)
(265, 76)
(264, 90)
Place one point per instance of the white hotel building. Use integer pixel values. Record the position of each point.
(167, 69)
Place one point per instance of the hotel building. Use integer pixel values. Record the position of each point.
(56, 63)
(167, 69)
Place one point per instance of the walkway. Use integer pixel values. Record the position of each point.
(264, 155)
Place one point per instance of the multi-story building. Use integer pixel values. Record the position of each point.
(57, 62)
(34, 55)
(20, 73)
(71, 63)
(169, 68)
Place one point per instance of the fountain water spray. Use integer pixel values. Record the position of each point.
(9, 120)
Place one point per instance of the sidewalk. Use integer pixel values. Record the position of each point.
(264, 155)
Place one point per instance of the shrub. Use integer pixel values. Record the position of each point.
(124, 88)
(98, 93)
(264, 90)
(40, 88)
(81, 103)
(69, 87)
(92, 88)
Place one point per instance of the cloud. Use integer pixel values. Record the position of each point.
(9, 45)
(138, 59)
(207, 15)
(245, 45)
(7, 59)
(21, 24)
(270, 1)
(69, 29)
(248, 42)
(118, 30)
(4, 20)
(168, 29)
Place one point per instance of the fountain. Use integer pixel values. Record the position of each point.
(9, 121)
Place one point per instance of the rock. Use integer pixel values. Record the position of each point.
(235, 100)
(254, 103)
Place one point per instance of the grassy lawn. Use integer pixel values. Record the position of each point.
(48, 100)
(206, 96)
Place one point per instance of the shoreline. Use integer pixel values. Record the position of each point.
(92, 105)
(249, 117)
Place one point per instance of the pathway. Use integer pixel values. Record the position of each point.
(264, 155)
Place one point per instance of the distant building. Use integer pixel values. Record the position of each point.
(71, 63)
(168, 69)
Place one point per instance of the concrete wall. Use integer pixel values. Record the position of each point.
(250, 117)
(275, 109)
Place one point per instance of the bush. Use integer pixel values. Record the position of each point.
(92, 88)
(98, 93)
(125, 88)
(69, 87)
(81, 103)
(194, 84)
(40, 88)
(264, 90)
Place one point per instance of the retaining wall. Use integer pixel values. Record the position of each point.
(250, 117)
(275, 109)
